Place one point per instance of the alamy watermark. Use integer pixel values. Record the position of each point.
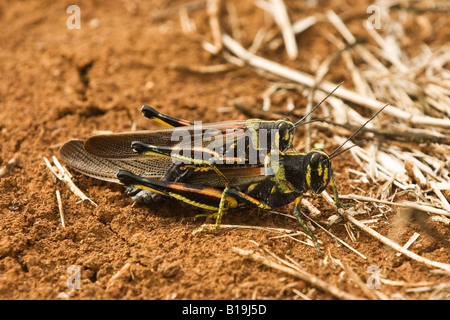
(74, 279)
(204, 145)
(373, 282)
(374, 21)
(74, 20)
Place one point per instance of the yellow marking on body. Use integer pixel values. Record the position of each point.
(193, 203)
(293, 153)
(308, 175)
(231, 203)
(251, 187)
(277, 139)
(286, 136)
(285, 186)
(162, 122)
(156, 154)
(253, 126)
(202, 168)
(197, 168)
(274, 189)
(258, 203)
(325, 174)
(139, 186)
(183, 158)
(280, 179)
(253, 123)
(319, 169)
(188, 159)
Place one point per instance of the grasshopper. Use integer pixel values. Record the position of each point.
(216, 166)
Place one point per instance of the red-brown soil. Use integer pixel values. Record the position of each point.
(59, 84)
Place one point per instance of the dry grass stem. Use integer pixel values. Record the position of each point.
(325, 230)
(437, 287)
(168, 12)
(349, 231)
(313, 211)
(441, 219)
(60, 208)
(386, 241)
(404, 283)
(303, 24)
(444, 202)
(284, 266)
(301, 295)
(187, 25)
(351, 40)
(395, 246)
(297, 27)
(369, 293)
(280, 15)
(234, 21)
(409, 242)
(207, 226)
(217, 68)
(213, 7)
(345, 94)
(308, 243)
(405, 204)
(393, 167)
(64, 175)
(339, 240)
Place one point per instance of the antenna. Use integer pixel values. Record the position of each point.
(353, 134)
(356, 144)
(304, 117)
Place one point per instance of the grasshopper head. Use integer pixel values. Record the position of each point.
(317, 168)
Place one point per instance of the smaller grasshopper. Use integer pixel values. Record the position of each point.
(214, 167)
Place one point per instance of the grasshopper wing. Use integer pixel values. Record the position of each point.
(74, 155)
(118, 145)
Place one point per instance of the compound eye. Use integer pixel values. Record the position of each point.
(314, 161)
(284, 133)
(282, 129)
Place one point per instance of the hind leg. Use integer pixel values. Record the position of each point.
(177, 173)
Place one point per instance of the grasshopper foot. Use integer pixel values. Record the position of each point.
(144, 196)
(206, 215)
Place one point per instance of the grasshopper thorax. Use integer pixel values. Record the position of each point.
(308, 171)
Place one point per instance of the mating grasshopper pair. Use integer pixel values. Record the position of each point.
(214, 167)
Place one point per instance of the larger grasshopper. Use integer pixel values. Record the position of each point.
(214, 167)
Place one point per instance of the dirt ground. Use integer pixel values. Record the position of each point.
(57, 84)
